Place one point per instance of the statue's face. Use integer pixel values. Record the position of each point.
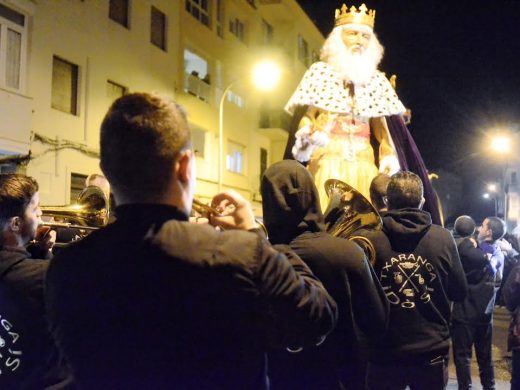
(356, 40)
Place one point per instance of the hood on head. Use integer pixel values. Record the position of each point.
(290, 201)
(406, 227)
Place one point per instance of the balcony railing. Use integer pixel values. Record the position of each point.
(197, 87)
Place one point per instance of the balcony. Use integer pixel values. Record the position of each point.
(197, 87)
(15, 126)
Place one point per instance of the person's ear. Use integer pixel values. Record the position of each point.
(15, 224)
(184, 166)
(422, 203)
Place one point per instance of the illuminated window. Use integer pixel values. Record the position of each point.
(13, 36)
(196, 76)
(118, 12)
(64, 86)
(236, 99)
(235, 157)
(158, 29)
(199, 9)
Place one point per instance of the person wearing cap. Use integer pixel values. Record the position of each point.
(341, 103)
(472, 318)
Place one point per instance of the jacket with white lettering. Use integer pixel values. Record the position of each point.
(28, 357)
(420, 271)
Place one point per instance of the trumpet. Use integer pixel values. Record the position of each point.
(206, 211)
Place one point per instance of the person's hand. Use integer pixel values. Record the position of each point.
(235, 211)
(45, 238)
(505, 246)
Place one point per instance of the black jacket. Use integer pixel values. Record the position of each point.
(29, 358)
(477, 307)
(419, 268)
(292, 216)
(152, 301)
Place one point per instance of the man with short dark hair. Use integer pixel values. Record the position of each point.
(473, 317)
(155, 302)
(378, 188)
(420, 271)
(29, 358)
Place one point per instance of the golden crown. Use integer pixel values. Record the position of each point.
(351, 15)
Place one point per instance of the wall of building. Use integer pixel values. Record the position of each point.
(80, 32)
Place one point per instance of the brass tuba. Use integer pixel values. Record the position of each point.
(347, 212)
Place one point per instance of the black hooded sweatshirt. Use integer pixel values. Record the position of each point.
(292, 215)
(29, 358)
(420, 270)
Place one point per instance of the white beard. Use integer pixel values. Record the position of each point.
(357, 67)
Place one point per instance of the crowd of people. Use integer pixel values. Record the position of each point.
(153, 300)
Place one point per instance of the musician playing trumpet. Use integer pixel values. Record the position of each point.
(29, 358)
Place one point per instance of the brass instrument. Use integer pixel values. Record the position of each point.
(348, 211)
(205, 211)
(89, 213)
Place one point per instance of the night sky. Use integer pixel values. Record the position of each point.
(458, 69)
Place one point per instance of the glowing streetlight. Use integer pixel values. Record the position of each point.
(485, 195)
(492, 187)
(265, 76)
(501, 144)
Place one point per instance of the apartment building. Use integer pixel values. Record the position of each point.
(63, 62)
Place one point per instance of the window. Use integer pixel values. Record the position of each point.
(198, 141)
(77, 184)
(237, 28)
(315, 56)
(158, 29)
(220, 18)
(263, 162)
(118, 12)
(236, 99)
(235, 157)
(115, 90)
(13, 35)
(64, 86)
(199, 9)
(267, 33)
(303, 50)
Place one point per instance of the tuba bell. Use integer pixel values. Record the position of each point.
(349, 211)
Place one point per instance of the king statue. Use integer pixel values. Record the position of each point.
(347, 118)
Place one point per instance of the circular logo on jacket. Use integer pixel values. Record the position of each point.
(406, 280)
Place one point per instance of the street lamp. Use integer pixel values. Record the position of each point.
(502, 145)
(265, 76)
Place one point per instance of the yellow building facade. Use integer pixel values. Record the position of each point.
(62, 63)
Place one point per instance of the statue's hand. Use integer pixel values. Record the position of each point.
(389, 165)
(306, 141)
